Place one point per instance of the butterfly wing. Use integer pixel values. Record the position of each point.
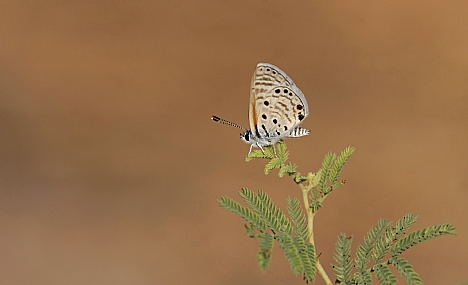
(277, 106)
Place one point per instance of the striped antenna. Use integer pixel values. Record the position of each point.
(223, 121)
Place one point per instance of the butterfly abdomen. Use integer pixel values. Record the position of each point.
(298, 132)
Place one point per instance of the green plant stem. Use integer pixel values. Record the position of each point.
(310, 228)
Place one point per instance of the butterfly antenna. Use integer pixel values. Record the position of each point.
(223, 121)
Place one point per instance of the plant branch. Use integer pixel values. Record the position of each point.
(310, 230)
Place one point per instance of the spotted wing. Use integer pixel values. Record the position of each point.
(277, 106)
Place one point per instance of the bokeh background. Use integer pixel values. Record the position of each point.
(111, 166)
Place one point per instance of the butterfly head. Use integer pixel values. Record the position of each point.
(247, 137)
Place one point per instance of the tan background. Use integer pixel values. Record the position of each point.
(111, 166)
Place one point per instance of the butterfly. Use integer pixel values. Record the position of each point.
(276, 109)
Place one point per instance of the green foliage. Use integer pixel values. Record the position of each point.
(326, 178)
(245, 213)
(281, 152)
(264, 254)
(309, 275)
(383, 242)
(265, 214)
(343, 259)
(392, 235)
(422, 235)
(273, 164)
(363, 278)
(372, 237)
(288, 169)
(384, 275)
(250, 198)
(257, 154)
(406, 271)
(297, 217)
(272, 215)
(326, 165)
(307, 259)
(335, 171)
(315, 201)
(380, 239)
(291, 252)
(300, 255)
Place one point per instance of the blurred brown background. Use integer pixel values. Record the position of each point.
(111, 166)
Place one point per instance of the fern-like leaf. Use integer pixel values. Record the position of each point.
(308, 268)
(256, 154)
(421, 235)
(314, 178)
(245, 213)
(288, 169)
(326, 165)
(402, 225)
(383, 245)
(281, 152)
(406, 271)
(339, 163)
(312, 257)
(297, 217)
(250, 230)
(269, 151)
(264, 254)
(343, 258)
(373, 236)
(250, 198)
(298, 178)
(290, 251)
(384, 275)
(315, 202)
(363, 278)
(272, 215)
(272, 164)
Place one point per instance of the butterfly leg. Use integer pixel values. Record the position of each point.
(261, 148)
(250, 150)
(274, 149)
